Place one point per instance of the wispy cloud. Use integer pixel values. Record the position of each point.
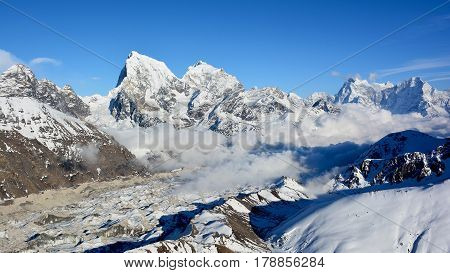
(415, 65)
(7, 59)
(44, 60)
(335, 73)
(439, 79)
(95, 78)
(345, 76)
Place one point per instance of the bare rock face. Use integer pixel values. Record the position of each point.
(399, 157)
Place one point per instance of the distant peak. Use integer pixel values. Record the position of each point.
(351, 80)
(19, 69)
(138, 67)
(199, 63)
(413, 81)
(202, 67)
(133, 54)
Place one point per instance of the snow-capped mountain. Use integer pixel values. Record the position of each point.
(50, 139)
(360, 91)
(209, 86)
(148, 93)
(19, 81)
(51, 146)
(411, 96)
(398, 157)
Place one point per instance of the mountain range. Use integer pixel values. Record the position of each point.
(50, 138)
(148, 93)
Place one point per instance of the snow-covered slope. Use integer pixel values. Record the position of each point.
(410, 218)
(415, 95)
(236, 224)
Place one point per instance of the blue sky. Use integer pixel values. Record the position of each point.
(262, 43)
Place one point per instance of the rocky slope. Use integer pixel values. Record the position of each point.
(399, 157)
(43, 143)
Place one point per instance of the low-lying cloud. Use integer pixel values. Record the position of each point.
(212, 162)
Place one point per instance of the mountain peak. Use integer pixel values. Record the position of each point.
(414, 81)
(204, 76)
(18, 80)
(203, 67)
(138, 66)
(135, 58)
(19, 70)
(401, 142)
(200, 62)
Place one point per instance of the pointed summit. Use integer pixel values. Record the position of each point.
(18, 80)
(21, 70)
(155, 72)
(199, 63)
(205, 77)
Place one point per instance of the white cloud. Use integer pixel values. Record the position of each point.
(44, 60)
(416, 65)
(345, 76)
(95, 78)
(439, 79)
(228, 163)
(7, 59)
(335, 73)
(360, 125)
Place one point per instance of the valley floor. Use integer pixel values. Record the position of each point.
(149, 215)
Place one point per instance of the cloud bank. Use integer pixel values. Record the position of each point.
(212, 162)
